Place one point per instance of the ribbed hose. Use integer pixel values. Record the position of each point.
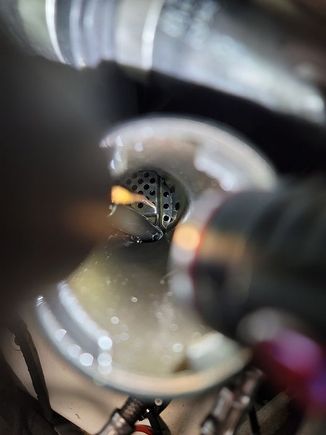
(132, 410)
(123, 420)
(90, 31)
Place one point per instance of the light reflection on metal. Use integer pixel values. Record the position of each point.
(50, 15)
(39, 300)
(245, 51)
(105, 342)
(245, 74)
(86, 359)
(100, 370)
(104, 359)
(59, 334)
(70, 302)
(135, 32)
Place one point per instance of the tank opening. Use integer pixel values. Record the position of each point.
(164, 191)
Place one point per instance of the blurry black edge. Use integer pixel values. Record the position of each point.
(30, 354)
(24, 340)
(20, 413)
(50, 128)
(287, 228)
(292, 146)
(318, 11)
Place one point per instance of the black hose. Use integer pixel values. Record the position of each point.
(253, 419)
(25, 341)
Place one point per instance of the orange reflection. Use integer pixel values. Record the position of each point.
(187, 237)
(120, 195)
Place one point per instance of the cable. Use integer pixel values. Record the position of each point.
(25, 341)
(28, 349)
(152, 413)
(154, 422)
(254, 424)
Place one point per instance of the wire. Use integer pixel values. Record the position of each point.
(157, 423)
(24, 340)
(254, 424)
(28, 349)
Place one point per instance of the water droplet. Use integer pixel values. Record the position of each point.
(104, 359)
(104, 342)
(134, 299)
(86, 359)
(115, 320)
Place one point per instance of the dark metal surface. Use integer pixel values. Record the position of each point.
(165, 193)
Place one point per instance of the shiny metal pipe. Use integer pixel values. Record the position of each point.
(269, 52)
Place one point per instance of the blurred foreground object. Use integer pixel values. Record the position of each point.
(51, 164)
(255, 268)
(271, 53)
(257, 249)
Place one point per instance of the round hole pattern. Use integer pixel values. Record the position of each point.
(161, 191)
